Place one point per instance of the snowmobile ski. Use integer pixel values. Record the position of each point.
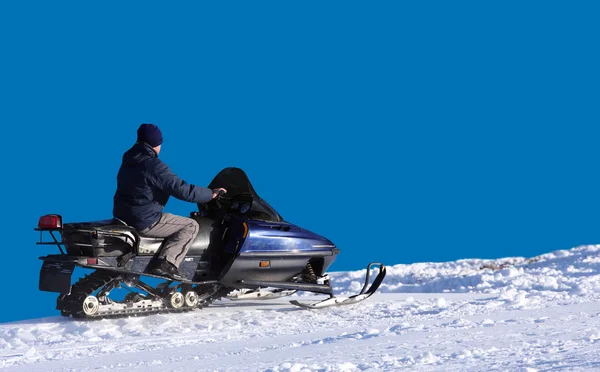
(262, 294)
(366, 292)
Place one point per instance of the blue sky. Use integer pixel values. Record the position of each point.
(403, 132)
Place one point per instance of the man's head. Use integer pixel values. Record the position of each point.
(150, 134)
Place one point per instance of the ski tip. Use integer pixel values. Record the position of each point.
(299, 304)
(304, 305)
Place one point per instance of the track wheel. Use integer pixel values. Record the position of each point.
(90, 305)
(176, 300)
(191, 299)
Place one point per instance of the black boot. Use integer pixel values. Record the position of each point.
(163, 267)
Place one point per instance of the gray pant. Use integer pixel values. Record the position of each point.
(179, 233)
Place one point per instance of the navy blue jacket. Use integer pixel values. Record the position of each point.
(144, 184)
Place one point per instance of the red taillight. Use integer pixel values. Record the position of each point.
(92, 261)
(50, 221)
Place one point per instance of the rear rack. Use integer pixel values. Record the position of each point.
(134, 238)
(59, 244)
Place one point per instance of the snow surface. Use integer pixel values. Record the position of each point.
(513, 314)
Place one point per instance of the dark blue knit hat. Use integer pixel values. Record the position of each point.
(150, 134)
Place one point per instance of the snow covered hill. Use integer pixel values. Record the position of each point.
(511, 314)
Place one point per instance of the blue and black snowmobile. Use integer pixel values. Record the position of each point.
(244, 250)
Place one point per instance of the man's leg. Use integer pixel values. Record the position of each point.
(179, 233)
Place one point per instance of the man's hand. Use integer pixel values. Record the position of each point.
(217, 192)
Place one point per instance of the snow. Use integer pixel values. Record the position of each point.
(514, 314)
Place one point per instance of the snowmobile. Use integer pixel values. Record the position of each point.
(244, 250)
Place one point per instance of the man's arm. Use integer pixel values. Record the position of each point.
(167, 181)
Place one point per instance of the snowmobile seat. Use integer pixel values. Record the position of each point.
(114, 246)
(80, 238)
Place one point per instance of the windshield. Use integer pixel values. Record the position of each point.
(237, 184)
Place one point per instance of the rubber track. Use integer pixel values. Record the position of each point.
(72, 304)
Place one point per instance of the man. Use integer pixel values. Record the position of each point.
(144, 184)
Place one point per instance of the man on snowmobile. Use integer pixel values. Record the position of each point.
(144, 184)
